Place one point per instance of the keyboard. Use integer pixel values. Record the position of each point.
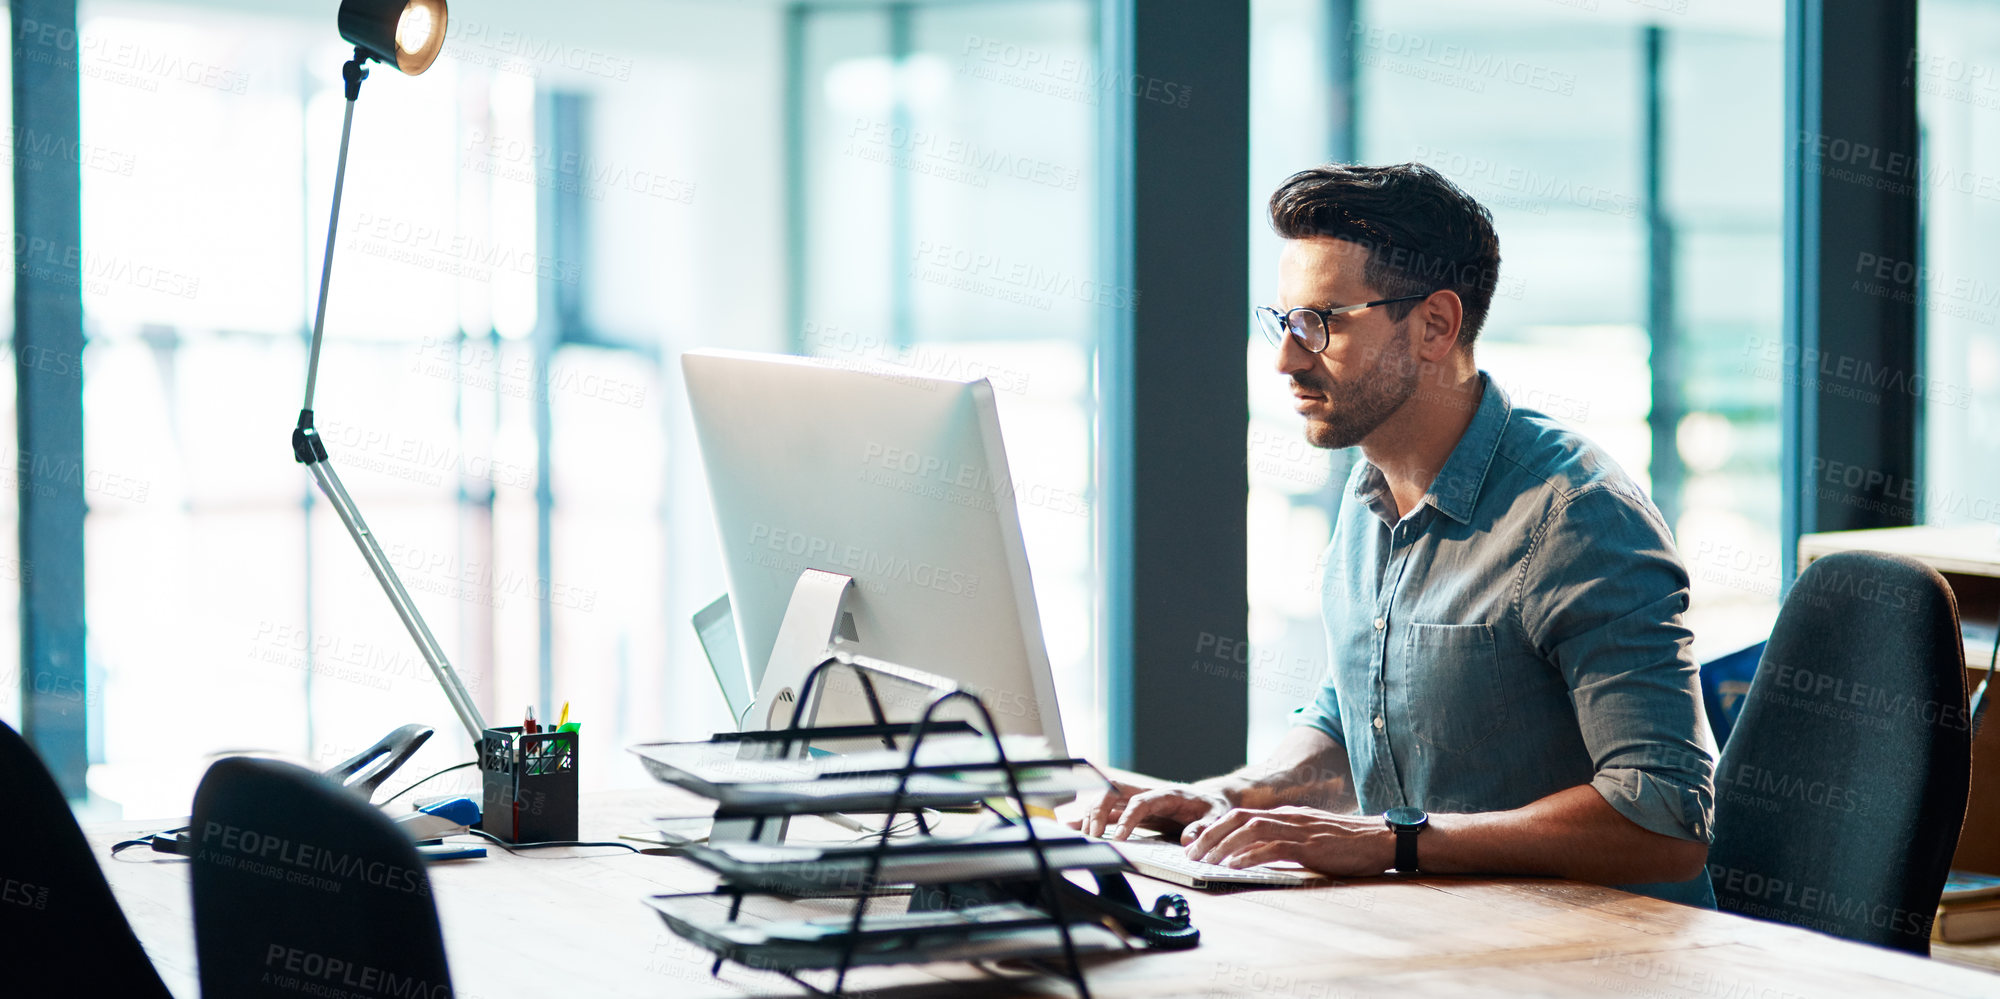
(1169, 861)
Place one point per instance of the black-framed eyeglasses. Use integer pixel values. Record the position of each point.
(1310, 324)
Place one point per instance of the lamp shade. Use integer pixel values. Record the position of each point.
(407, 34)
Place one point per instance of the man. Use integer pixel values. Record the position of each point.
(1509, 677)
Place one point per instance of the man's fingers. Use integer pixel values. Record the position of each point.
(1110, 807)
(1192, 830)
(1217, 831)
(1211, 809)
(1106, 808)
(1256, 829)
(1140, 808)
(1262, 853)
(1243, 837)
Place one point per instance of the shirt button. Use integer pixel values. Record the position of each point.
(1378, 722)
(1381, 623)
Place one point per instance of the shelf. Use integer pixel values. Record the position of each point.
(1965, 551)
(1978, 652)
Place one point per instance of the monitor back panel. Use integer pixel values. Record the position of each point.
(897, 480)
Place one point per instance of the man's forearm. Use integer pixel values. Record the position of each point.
(1573, 833)
(1307, 768)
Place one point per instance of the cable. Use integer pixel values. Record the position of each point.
(518, 847)
(146, 840)
(149, 839)
(1979, 696)
(420, 782)
(899, 830)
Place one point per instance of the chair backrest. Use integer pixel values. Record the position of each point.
(1724, 681)
(303, 888)
(1840, 794)
(57, 914)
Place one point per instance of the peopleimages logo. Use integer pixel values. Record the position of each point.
(1765, 781)
(1065, 76)
(1457, 65)
(860, 562)
(23, 894)
(1775, 896)
(311, 973)
(260, 853)
(1874, 699)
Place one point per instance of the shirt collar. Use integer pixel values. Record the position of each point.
(1456, 488)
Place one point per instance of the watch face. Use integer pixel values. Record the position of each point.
(1405, 817)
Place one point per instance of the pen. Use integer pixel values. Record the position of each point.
(568, 745)
(564, 720)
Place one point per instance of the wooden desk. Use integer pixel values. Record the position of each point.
(574, 928)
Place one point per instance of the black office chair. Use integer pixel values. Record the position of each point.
(59, 924)
(1840, 794)
(299, 883)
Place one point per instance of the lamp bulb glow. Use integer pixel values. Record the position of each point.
(413, 30)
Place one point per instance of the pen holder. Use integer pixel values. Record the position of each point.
(529, 785)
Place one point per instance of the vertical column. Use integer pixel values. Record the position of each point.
(1662, 320)
(795, 98)
(1174, 410)
(1343, 89)
(48, 324)
(1852, 194)
(562, 238)
(559, 242)
(902, 304)
(1343, 146)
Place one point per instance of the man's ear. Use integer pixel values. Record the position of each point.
(1439, 318)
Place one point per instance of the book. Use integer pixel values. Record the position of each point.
(1965, 922)
(1966, 886)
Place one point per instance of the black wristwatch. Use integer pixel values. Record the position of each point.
(1406, 823)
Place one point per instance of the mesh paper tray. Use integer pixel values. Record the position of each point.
(978, 933)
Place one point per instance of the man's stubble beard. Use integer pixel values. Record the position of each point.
(1358, 407)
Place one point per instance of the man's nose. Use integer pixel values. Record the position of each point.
(1293, 356)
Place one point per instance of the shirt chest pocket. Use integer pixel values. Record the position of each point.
(1455, 698)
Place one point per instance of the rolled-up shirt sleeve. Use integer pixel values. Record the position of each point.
(1601, 594)
(1323, 712)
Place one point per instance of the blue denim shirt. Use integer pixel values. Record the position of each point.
(1517, 634)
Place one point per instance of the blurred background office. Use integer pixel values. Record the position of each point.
(536, 228)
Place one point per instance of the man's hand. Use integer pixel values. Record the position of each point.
(1128, 807)
(1336, 845)
(1092, 816)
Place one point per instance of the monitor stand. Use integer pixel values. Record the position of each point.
(813, 620)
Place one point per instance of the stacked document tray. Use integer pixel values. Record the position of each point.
(998, 894)
(1005, 931)
(741, 777)
(1000, 853)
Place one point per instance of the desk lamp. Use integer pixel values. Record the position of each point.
(406, 34)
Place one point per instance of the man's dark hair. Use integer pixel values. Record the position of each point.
(1422, 233)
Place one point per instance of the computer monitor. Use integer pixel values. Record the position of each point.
(716, 627)
(897, 480)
